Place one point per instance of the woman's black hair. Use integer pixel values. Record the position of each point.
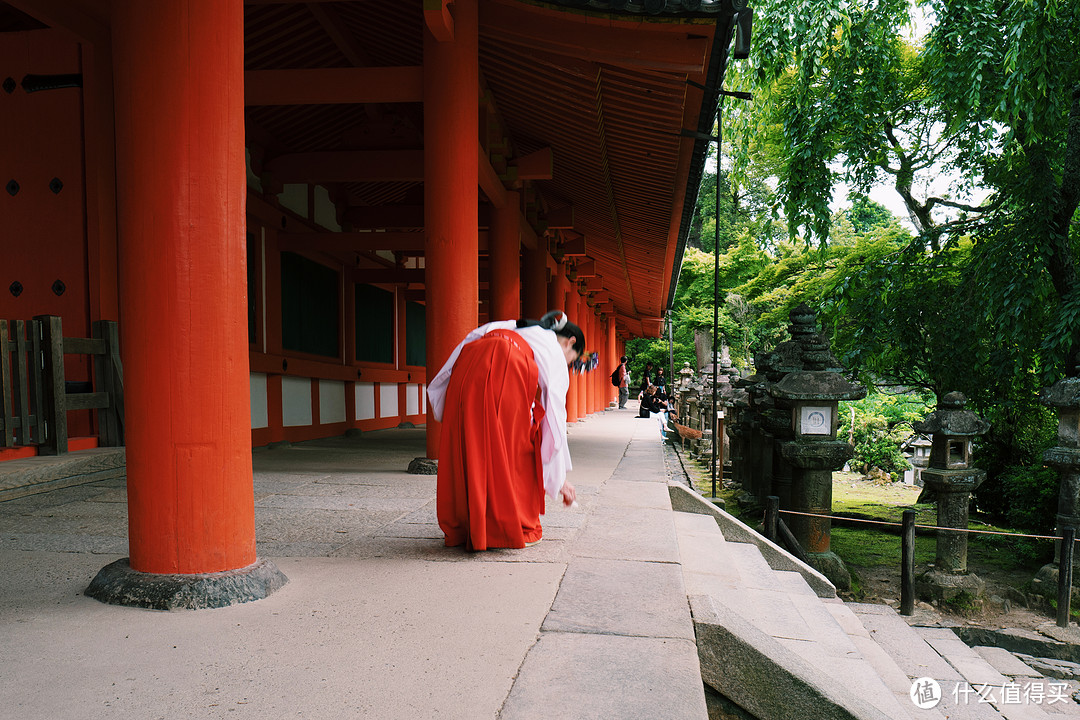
(557, 322)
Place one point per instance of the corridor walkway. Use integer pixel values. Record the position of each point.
(378, 620)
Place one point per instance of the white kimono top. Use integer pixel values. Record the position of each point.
(554, 379)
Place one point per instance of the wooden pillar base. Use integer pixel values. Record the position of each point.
(118, 584)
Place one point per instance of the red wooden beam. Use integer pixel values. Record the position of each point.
(585, 267)
(575, 247)
(387, 277)
(348, 166)
(439, 20)
(593, 283)
(489, 180)
(386, 216)
(539, 165)
(354, 241)
(409, 243)
(334, 86)
(561, 218)
(402, 217)
(66, 16)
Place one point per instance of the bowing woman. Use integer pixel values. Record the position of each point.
(502, 400)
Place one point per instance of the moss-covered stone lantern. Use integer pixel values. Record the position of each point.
(813, 395)
(951, 480)
(1064, 397)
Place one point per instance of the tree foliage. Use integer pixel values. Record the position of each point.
(991, 96)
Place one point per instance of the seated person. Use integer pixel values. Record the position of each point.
(656, 405)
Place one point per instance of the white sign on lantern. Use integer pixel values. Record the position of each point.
(816, 420)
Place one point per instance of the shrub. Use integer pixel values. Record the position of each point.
(1032, 493)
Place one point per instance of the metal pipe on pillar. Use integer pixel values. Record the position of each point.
(451, 194)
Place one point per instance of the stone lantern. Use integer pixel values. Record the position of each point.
(814, 452)
(686, 376)
(950, 477)
(1064, 396)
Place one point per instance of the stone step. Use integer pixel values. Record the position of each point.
(891, 675)
(917, 659)
(702, 554)
(765, 638)
(30, 476)
(978, 673)
(686, 500)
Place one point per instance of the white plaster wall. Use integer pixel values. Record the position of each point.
(423, 400)
(331, 401)
(388, 404)
(365, 401)
(412, 399)
(260, 416)
(325, 211)
(295, 401)
(294, 197)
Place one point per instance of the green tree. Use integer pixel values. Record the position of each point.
(993, 96)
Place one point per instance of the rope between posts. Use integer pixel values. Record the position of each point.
(924, 527)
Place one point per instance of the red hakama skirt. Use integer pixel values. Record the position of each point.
(490, 484)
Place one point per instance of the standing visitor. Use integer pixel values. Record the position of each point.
(660, 381)
(646, 379)
(501, 397)
(624, 383)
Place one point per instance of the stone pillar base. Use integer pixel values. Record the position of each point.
(423, 466)
(945, 586)
(1045, 582)
(831, 566)
(118, 584)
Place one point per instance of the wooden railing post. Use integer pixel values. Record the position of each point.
(1065, 571)
(772, 515)
(7, 420)
(53, 403)
(21, 402)
(907, 564)
(109, 379)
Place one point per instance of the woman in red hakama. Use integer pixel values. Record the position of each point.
(502, 400)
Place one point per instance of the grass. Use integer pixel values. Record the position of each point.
(868, 546)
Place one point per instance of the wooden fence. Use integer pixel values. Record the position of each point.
(36, 396)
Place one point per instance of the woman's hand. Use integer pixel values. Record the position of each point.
(569, 495)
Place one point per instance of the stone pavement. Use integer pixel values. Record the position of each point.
(378, 619)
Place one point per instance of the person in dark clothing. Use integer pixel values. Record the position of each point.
(624, 383)
(655, 403)
(660, 381)
(646, 378)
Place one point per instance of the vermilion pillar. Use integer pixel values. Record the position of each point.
(614, 354)
(570, 306)
(595, 376)
(181, 185)
(504, 249)
(557, 289)
(451, 196)
(599, 377)
(590, 344)
(579, 315)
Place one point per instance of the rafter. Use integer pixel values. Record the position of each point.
(349, 166)
(603, 43)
